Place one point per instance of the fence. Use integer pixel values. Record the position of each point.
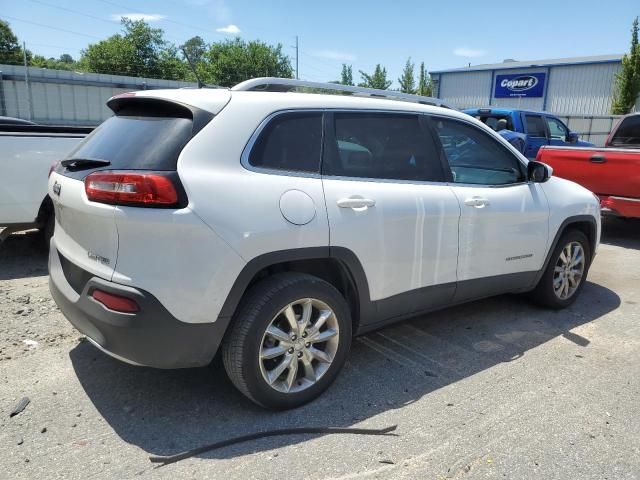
(592, 128)
(66, 98)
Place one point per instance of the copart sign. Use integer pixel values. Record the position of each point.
(520, 85)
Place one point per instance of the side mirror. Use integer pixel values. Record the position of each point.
(538, 172)
(572, 137)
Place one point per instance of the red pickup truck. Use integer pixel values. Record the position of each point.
(612, 172)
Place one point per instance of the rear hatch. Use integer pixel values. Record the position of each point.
(131, 159)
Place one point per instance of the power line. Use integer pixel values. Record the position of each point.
(194, 27)
(52, 28)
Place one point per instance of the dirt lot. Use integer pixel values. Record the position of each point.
(492, 389)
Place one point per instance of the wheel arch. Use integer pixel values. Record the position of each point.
(584, 223)
(336, 265)
(45, 211)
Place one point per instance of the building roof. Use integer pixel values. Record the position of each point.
(508, 64)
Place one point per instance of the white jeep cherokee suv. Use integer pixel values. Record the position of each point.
(276, 226)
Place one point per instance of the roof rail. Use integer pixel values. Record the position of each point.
(274, 84)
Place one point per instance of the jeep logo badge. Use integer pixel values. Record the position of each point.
(57, 188)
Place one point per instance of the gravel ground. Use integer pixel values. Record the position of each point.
(492, 389)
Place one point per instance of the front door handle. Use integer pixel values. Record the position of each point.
(477, 202)
(355, 202)
(598, 159)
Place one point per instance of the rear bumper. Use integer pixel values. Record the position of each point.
(620, 206)
(151, 337)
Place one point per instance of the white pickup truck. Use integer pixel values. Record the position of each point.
(27, 151)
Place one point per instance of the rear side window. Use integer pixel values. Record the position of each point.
(137, 142)
(628, 133)
(476, 158)
(382, 145)
(535, 126)
(291, 141)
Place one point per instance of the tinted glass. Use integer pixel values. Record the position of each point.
(291, 141)
(475, 157)
(628, 133)
(557, 130)
(382, 145)
(137, 143)
(535, 126)
(493, 121)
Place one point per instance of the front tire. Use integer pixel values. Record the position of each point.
(566, 273)
(289, 340)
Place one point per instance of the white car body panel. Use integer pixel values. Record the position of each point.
(508, 235)
(408, 240)
(568, 199)
(191, 268)
(85, 231)
(24, 164)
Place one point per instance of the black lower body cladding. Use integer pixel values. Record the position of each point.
(150, 337)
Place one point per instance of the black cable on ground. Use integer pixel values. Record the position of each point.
(165, 460)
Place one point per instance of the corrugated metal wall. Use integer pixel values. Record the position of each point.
(465, 90)
(582, 89)
(67, 98)
(571, 89)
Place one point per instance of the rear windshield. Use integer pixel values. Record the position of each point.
(493, 121)
(137, 142)
(628, 133)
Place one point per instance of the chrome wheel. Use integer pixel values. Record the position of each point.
(569, 270)
(299, 345)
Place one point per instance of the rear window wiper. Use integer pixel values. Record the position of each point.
(78, 163)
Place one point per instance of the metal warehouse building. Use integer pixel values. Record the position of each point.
(566, 86)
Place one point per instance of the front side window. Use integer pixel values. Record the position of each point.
(535, 126)
(557, 130)
(291, 141)
(474, 157)
(383, 145)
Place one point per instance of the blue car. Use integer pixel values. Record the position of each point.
(533, 129)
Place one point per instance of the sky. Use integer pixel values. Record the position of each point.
(331, 32)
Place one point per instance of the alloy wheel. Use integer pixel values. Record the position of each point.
(569, 270)
(299, 345)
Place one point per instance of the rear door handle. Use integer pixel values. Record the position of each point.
(598, 159)
(355, 202)
(477, 202)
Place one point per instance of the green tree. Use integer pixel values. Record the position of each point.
(140, 51)
(233, 61)
(347, 75)
(377, 80)
(65, 62)
(407, 81)
(627, 83)
(425, 87)
(195, 48)
(10, 49)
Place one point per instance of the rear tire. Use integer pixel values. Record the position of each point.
(566, 273)
(46, 231)
(288, 341)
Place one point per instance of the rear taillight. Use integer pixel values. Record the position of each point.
(114, 302)
(52, 167)
(131, 188)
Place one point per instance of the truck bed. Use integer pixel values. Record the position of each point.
(611, 173)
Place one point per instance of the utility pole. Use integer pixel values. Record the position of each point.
(297, 70)
(26, 80)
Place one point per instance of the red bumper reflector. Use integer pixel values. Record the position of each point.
(115, 302)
